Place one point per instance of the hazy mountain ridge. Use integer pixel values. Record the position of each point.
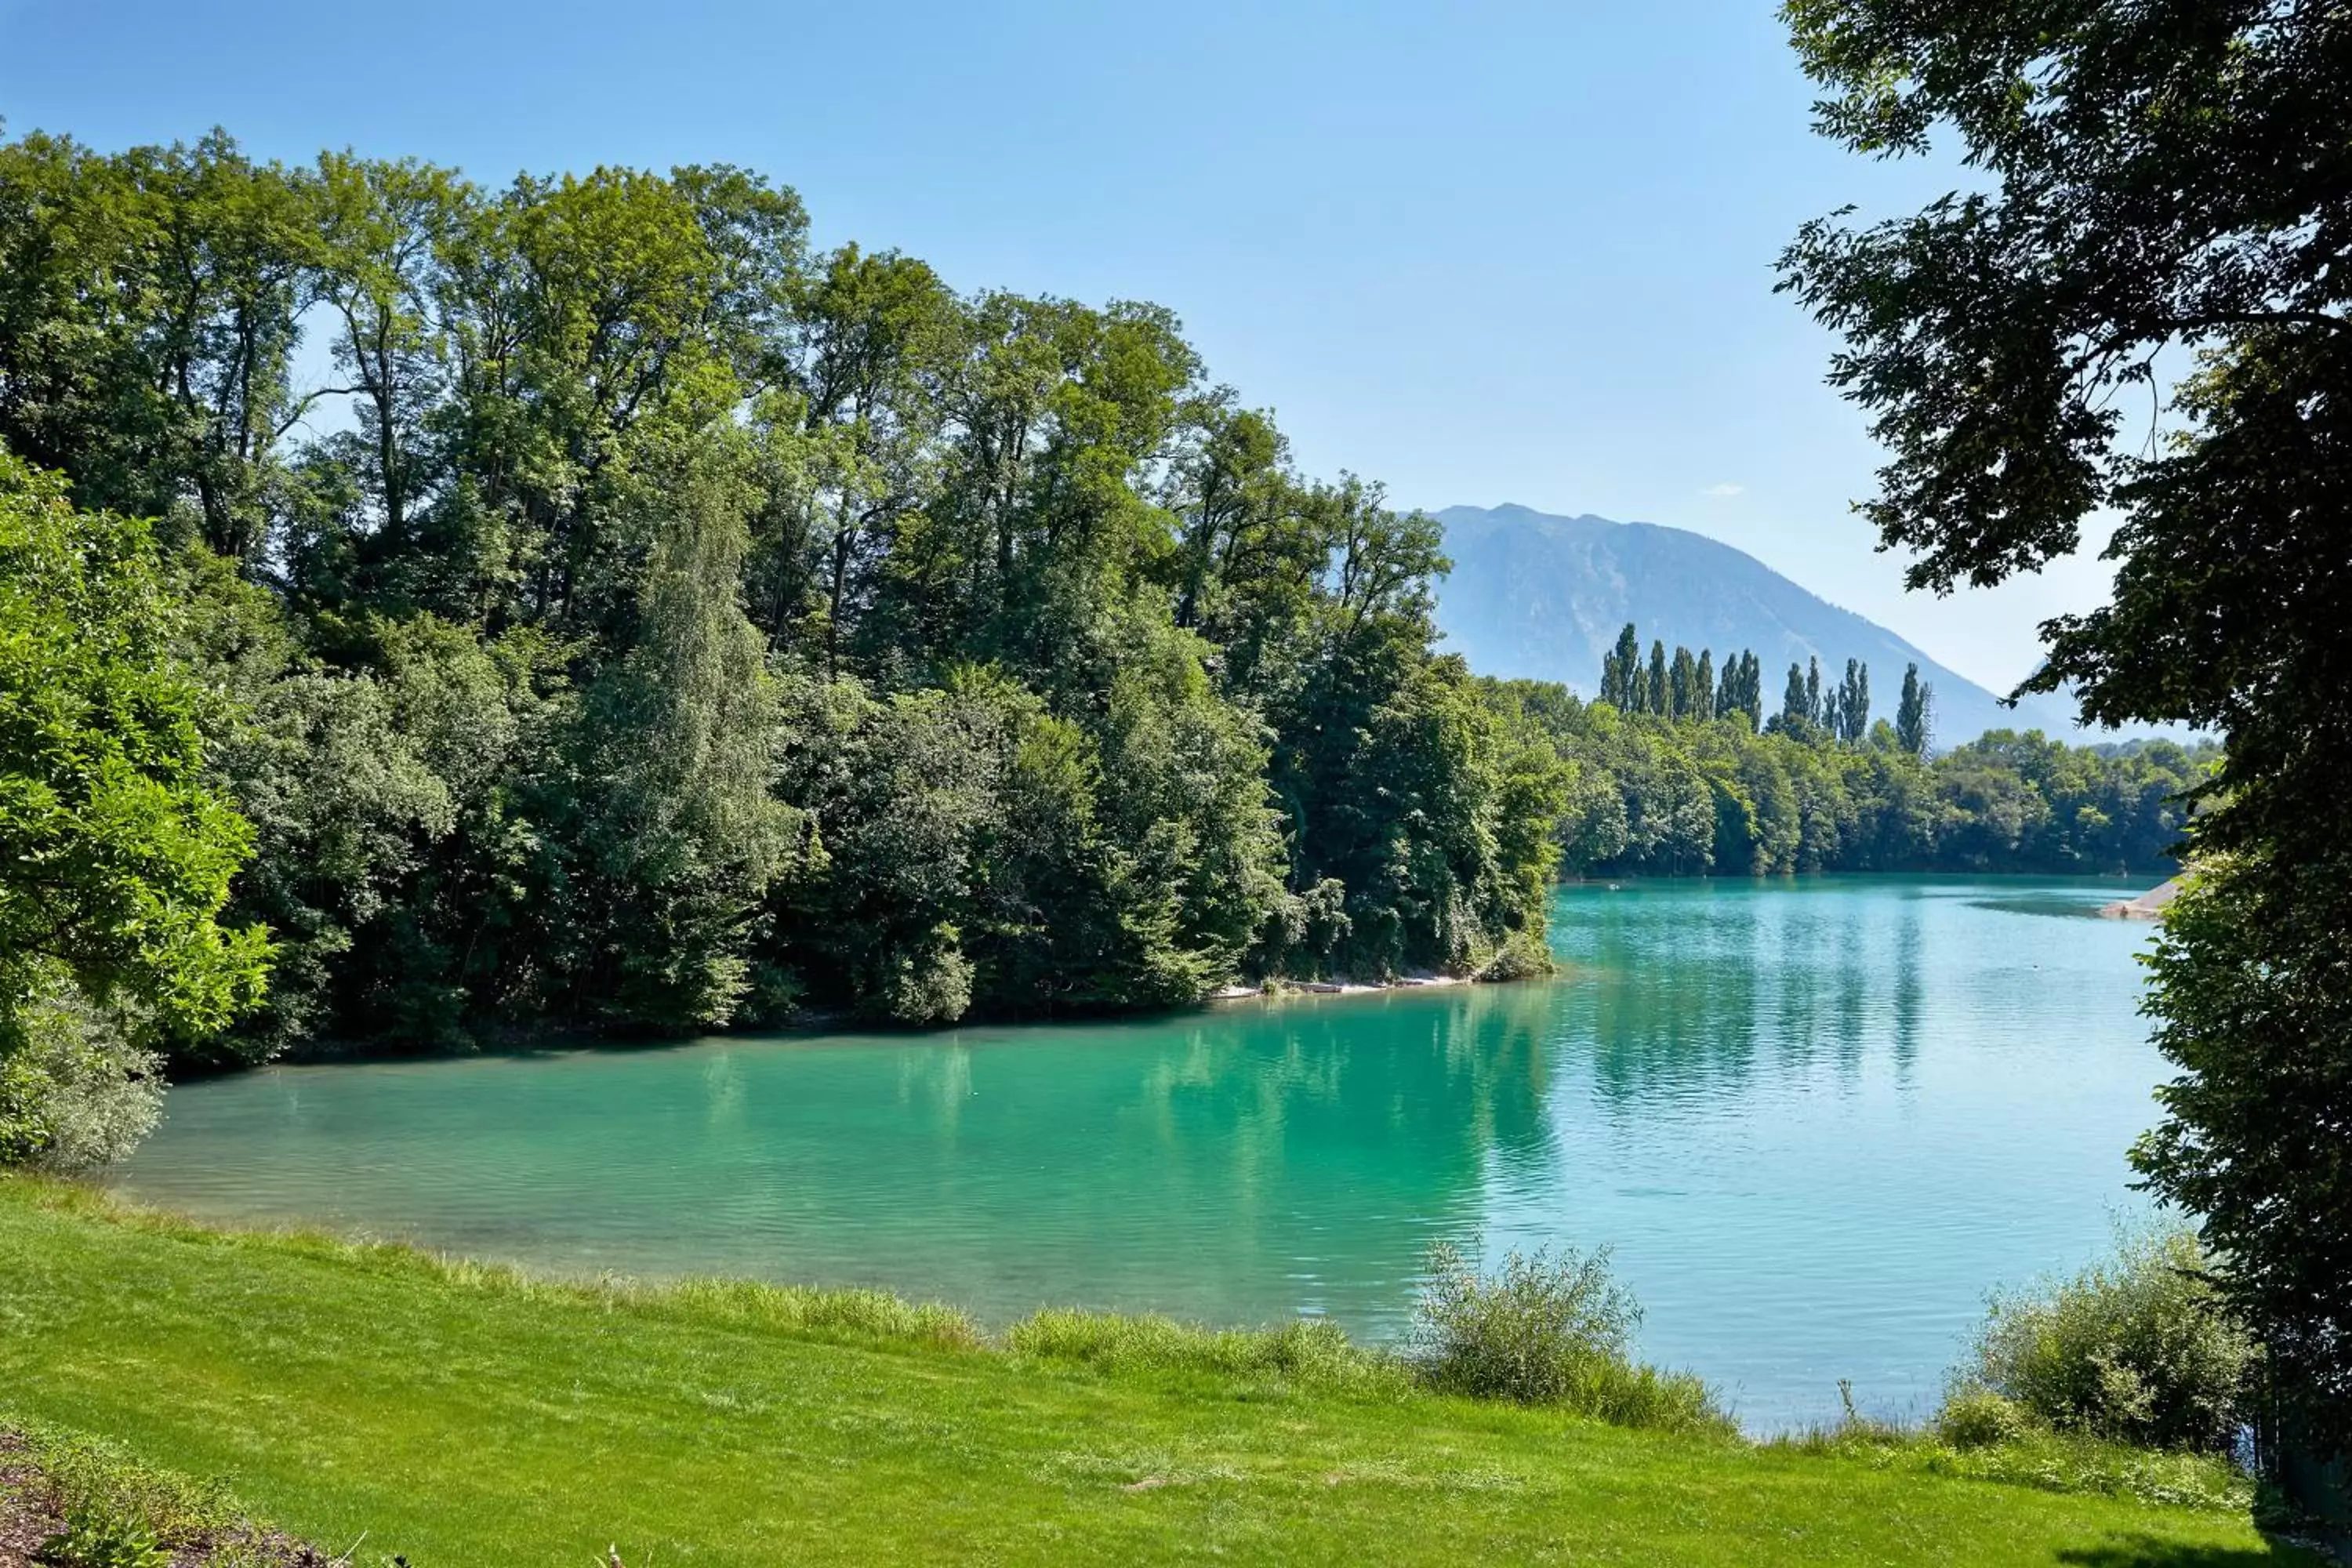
(1536, 595)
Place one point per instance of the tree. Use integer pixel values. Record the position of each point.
(678, 624)
(1620, 671)
(115, 858)
(1661, 695)
(1796, 705)
(2160, 189)
(1682, 684)
(383, 230)
(878, 331)
(680, 836)
(153, 308)
(1703, 687)
(1742, 690)
(1850, 704)
(1796, 797)
(1911, 715)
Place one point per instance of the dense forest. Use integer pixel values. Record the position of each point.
(648, 622)
(585, 605)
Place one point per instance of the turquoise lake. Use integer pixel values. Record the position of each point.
(1816, 1122)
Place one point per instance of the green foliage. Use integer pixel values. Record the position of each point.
(77, 1089)
(1547, 1330)
(855, 1316)
(2140, 1348)
(117, 859)
(1980, 1437)
(115, 856)
(1640, 795)
(2066, 1462)
(1522, 957)
(679, 837)
(1974, 1416)
(95, 1539)
(1524, 1334)
(2246, 985)
(2136, 214)
(686, 628)
(1912, 714)
(117, 1511)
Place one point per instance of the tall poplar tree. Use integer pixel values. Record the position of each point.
(1682, 685)
(1852, 703)
(1620, 671)
(1911, 713)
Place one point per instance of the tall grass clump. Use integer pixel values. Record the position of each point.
(2137, 1348)
(1552, 1330)
(861, 1315)
(1307, 1353)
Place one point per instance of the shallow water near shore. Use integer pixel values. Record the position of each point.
(1816, 1120)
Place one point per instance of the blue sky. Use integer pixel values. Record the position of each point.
(1481, 252)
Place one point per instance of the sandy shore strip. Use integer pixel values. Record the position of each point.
(1335, 987)
(2148, 906)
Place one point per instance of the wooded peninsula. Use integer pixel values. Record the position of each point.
(591, 608)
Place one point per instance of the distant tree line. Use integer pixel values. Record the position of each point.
(1675, 770)
(1684, 688)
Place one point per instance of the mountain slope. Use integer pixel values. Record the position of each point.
(1543, 597)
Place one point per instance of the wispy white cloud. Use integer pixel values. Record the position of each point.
(1724, 490)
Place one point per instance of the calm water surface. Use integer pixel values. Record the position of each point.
(1816, 1120)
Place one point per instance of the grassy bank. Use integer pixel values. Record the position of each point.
(464, 1417)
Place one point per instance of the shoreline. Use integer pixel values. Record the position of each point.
(527, 1041)
(2148, 906)
(1270, 989)
(688, 1412)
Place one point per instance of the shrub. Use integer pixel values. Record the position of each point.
(1974, 1416)
(121, 1513)
(105, 1540)
(77, 1092)
(1524, 1334)
(112, 1503)
(1547, 1330)
(1522, 956)
(2139, 1348)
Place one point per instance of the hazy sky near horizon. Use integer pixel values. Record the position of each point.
(1482, 252)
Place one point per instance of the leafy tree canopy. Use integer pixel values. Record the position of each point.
(115, 856)
(2161, 193)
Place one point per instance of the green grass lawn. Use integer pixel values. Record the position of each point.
(461, 1416)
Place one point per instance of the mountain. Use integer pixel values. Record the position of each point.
(1544, 597)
